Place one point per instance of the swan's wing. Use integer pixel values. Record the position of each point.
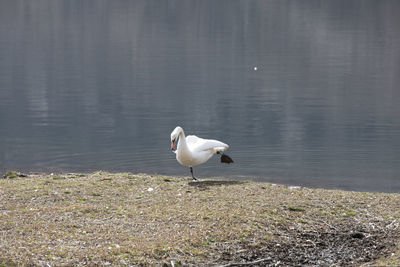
(192, 140)
(199, 144)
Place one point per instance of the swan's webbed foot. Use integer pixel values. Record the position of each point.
(225, 158)
(193, 178)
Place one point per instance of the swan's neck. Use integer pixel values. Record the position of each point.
(182, 142)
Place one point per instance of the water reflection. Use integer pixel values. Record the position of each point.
(101, 84)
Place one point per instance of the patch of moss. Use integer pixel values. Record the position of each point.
(292, 208)
(11, 175)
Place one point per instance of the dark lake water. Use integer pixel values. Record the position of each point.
(89, 85)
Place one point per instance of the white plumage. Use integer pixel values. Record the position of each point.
(192, 150)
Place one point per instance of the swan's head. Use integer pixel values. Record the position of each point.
(175, 135)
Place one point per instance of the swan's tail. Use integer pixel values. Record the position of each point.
(225, 158)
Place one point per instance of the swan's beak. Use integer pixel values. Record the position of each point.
(173, 144)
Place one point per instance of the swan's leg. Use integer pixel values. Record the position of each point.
(191, 171)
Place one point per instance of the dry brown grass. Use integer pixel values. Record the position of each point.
(116, 219)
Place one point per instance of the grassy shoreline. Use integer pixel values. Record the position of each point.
(106, 218)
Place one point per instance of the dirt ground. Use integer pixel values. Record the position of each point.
(120, 219)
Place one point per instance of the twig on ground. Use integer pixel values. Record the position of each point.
(332, 227)
(245, 263)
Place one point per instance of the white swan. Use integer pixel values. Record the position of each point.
(192, 150)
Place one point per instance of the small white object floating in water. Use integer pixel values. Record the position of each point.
(255, 68)
(192, 150)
